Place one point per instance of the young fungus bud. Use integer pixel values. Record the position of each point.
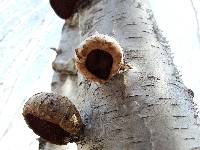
(53, 117)
(98, 58)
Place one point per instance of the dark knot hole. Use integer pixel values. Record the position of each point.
(99, 63)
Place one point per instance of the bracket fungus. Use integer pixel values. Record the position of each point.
(53, 117)
(65, 8)
(99, 57)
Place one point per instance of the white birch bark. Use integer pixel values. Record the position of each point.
(145, 108)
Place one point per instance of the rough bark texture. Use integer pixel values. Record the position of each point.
(145, 108)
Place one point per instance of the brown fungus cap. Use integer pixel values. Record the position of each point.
(64, 8)
(53, 117)
(99, 58)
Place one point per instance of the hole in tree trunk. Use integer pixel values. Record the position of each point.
(99, 63)
(48, 130)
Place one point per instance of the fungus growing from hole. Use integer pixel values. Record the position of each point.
(99, 57)
(53, 117)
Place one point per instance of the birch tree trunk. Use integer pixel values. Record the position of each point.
(147, 107)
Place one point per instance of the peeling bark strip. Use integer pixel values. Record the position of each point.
(146, 108)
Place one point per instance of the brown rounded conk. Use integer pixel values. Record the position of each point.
(99, 57)
(64, 8)
(53, 117)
